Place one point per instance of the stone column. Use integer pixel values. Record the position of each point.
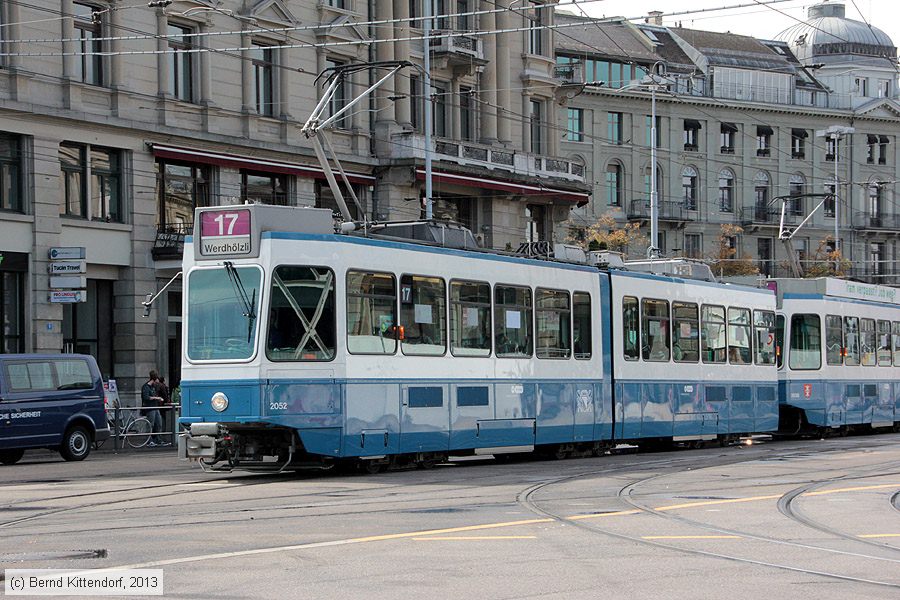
(283, 79)
(504, 75)
(489, 81)
(248, 103)
(402, 107)
(162, 59)
(116, 61)
(455, 110)
(68, 32)
(384, 52)
(206, 98)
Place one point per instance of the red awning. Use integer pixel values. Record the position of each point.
(581, 198)
(251, 162)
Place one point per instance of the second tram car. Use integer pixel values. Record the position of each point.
(307, 347)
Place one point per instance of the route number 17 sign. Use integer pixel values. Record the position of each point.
(225, 232)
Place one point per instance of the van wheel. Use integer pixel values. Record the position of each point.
(11, 457)
(76, 443)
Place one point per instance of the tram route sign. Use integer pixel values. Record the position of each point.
(225, 232)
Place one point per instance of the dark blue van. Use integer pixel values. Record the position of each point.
(50, 401)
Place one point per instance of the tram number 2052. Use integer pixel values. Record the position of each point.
(278, 405)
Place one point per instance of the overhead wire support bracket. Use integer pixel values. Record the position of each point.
(786, 235)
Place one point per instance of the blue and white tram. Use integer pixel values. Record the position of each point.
(841, 367)
(305, 347)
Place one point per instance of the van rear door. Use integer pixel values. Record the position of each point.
(23, 411)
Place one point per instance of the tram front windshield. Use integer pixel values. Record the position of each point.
(222, 313)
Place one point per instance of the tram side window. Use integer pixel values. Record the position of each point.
(806, 343)
(301, 316)
(712, 334)
(896, 336)
(423, 325)
(764, 326)
(630, 320)
(868, 341)
(553, 323)
(851, 341)
(655, 332)
(470, 318)
(779, 340)
(371, 313)
(739, 336)
(884, 343)
(512, 321)
(685, 332)
(834, 340)
(581, 325)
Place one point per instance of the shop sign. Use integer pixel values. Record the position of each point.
(67, 253)
(68, 267)
(68, 296)
(68, 281)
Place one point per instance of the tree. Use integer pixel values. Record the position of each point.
(607, 234)
(723, 259)
(827, 261)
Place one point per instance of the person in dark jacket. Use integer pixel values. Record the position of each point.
(162, 390)
(151, 399)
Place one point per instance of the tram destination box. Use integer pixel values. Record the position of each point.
(235, 231)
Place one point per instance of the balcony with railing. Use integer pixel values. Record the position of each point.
(766, 215)
(457, 47)
(866, 221)
(411, 145)
(669, 210)
(169, 242)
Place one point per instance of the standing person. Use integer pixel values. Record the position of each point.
(151, 399)
(162, 390)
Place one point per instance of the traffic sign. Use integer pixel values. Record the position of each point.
(68, 281)
(69, 253)
(68, 267)
(68, 296)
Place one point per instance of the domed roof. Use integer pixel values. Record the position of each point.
(828, 32)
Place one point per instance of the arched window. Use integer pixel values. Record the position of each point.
(875, 195)
(726, 190)
(796, 189)
(761, 191)
(615, 179)
(689, 179)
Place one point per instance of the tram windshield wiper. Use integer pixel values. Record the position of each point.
(240, 292)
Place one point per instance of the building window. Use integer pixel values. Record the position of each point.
(692, 245)
(726, 190)
(537, 142)
(575, 125)
(883, 142)
(439, 10)
(182, 188)
(11, 173)
(463, 20)
(614, 182)
(439, 109)
(336, 3)
(689, 187)
(181, 63)
(416, 108)
(536, 223)
(761, 193)
(829, 204)
(798, 143)
(862, 86)
(339, 99)
(466, 114)
(325, 199)
(876, 258)
(91, 182)
(536, 29)
(831, 148)
(89, 64)
(691, 135)
(884, 88)
(726, 138)
(764, 251)
(763, 140)
(266, 188)
(13, 271)
(797, 187)
(659, 182)
(875, 202)
(614, 128)
(262, 58)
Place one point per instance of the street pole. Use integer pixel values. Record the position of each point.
(653, 251)
(837, 203)
(426, 35)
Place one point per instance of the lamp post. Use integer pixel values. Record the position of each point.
(650, 83)
(835, 133)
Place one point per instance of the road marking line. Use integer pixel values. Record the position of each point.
(476, 537)
(717, 502)
(691, 537)
(854, 489)
(880, 535)
(618, 513)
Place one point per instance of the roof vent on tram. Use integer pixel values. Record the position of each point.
(440, 233)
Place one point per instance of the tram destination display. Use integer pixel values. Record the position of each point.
(225, 232)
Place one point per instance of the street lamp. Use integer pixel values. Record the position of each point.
(649, 82)
(835, 133)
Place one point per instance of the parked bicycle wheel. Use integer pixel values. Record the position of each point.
(138, 433)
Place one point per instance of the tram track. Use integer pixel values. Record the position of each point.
(527, 500)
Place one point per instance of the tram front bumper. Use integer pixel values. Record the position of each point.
(199, 441)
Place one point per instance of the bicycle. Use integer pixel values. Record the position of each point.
(135, 431)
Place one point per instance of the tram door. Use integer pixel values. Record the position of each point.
(424, 418)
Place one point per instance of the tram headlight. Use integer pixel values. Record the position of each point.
(219, 402)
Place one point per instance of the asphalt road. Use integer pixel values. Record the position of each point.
(801, 519)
